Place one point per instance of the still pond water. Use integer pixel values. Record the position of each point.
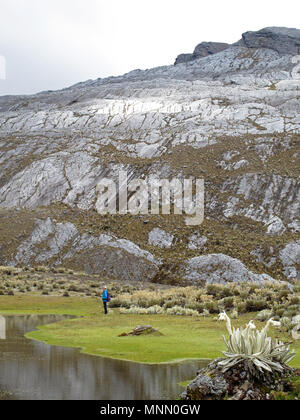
(36, 371)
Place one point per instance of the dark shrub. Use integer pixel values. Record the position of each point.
(228, 302)
(212, 307)
(255, 305)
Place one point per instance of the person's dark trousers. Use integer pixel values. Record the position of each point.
(105, 307)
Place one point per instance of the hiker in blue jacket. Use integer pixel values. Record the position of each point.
(105, 299)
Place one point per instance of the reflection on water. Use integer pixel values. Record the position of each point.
(33, 370)
(2, 328)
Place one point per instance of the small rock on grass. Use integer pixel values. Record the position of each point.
(142, 330)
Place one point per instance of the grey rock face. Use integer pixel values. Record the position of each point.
(183, 58)
(63, 177)
(290, 258)
(208, 48)
(282, 40)
(275, 226)
(270, 195)
(57, 243)
(202, 50)
(47, 241)
(220, 268)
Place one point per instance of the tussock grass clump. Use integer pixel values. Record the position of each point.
(158, 310)
(254, 305)
(9, 271)
(179, 310)
(264, 315)
(134, 310)
(153, 310)
(227, 302)
(212, 307)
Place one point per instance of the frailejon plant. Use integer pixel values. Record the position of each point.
(250, 345)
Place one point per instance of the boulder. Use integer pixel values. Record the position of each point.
(205, 387)
(160, 238)
(142, 330)
(197, 241)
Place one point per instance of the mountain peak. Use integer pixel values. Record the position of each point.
(283, 40)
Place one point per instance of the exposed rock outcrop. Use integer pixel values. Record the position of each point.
(219, 268)
(184, 58)
(61, 243)
(290, 258)
(270, 195)
(282, 40)
(208, 48)
(202, 50)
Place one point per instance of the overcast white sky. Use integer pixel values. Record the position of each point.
(51, 44)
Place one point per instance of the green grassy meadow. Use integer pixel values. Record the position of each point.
(94, 333)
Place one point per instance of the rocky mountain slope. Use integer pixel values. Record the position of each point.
(231, 117)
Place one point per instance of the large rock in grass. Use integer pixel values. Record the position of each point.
(142, 330)
(238, 383)
(160, 238)
(205, 387)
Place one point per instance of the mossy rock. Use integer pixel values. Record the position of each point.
(142, 330)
